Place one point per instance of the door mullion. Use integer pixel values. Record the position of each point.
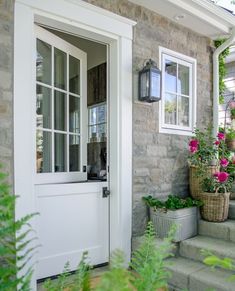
(67, 115)
(52, 115)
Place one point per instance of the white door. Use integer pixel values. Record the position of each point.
(74, 216)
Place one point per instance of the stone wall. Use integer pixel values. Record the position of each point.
(6, 86)
(159, 160)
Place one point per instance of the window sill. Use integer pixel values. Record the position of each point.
(175, 131)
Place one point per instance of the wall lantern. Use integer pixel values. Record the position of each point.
(150, 82)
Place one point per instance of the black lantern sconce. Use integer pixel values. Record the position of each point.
(150, 82)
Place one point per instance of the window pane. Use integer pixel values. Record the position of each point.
(183, 105)
(43, 107)
(43, 157)
(93, 133)
(74, 114)
(60, 69)
(43, 62)
(183, 80)
(101, 114)
(74, 153)
(170, 108)
(60, 152)
(170, 76)
(92, 116)
(60, 111)
(74, 75)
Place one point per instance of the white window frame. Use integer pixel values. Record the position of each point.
(179, 58)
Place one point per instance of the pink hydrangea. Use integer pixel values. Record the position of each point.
(194, 143)
(193, 149)
(232, 105)
(222, 177)
(224, 163)
(217, 142)
(221, 136)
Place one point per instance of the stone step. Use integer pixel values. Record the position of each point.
(223, 230)
(231, 214)
(191, 248)
(194, 276)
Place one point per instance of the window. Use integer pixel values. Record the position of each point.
(61, 134)
(178, 105)
(97, 122)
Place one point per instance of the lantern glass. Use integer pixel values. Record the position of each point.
(150, 83)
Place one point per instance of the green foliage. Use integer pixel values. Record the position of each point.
(81, 278)
(211, 184)
(222, 68)
(206, 152)
(148, 261)
(172, 203)
(230, 134)
(224, 263)
(148, 269)
(118, 277)
(16, 240)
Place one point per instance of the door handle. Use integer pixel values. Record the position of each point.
(106, 192)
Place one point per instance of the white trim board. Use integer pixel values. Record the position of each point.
(94, 23)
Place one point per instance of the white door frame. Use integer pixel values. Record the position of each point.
(79, 18)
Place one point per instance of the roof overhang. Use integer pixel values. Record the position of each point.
(201, 16)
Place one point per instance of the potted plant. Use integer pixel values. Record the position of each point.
(203, 158)
(175, 210)
(230, 139)
(216, 195)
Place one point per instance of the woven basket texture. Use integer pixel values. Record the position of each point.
(195, 180)
(215, 206)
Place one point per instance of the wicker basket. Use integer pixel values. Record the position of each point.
(195, 180)
(215, 206)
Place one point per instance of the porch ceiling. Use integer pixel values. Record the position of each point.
(201, 16)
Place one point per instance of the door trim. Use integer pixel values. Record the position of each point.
(78, 18)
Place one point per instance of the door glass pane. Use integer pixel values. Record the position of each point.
(43, 155)
(43, 62)
(60, 69)
(170, 76)
(60, 111)
(183, 80)
(43, 107)
(183, 111)
(74, 75)
(74, 153)
(74, 114)
(60, 152)
(170, 109)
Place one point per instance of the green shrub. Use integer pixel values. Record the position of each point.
(15, 243)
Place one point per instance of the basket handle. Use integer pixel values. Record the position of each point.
(217, 189)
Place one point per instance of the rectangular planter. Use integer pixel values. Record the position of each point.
(186, 219)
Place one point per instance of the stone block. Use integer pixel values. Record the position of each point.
(217, 230)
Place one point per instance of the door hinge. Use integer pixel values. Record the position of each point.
(106, 192)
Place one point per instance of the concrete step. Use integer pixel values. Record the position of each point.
(223, 230)
(231, 213)
(194, 276)
(191, 248)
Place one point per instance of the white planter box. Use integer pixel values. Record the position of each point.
(186, 220)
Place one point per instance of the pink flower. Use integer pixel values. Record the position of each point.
(224, 163)
(232, 105)
(193, 149)
(217, 142)
(222, 177)
(194, 143)
(221, 136)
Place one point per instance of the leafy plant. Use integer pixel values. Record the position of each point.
(230, 134)
(81, 278)
(16, 250)
(148, 269)
(118, 277)
(224, 263)
(222, 69)
(148, 261)
(172, 203)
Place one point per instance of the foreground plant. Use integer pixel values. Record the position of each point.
(148, 269)
(16, 240)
